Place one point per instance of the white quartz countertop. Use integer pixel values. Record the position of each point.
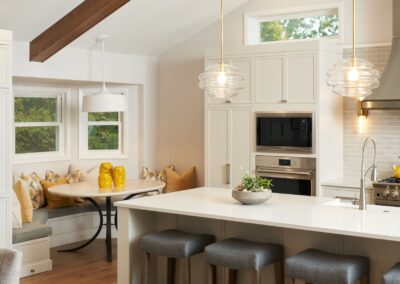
(286, 211)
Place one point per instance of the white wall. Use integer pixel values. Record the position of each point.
(180, 105)
(78, 68)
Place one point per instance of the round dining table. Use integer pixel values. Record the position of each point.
(90, 191)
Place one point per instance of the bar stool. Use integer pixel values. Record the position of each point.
(393, 275)
(173, 245)
(237, 254)
(314, 266)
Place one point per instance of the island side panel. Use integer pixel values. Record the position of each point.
(132, 225)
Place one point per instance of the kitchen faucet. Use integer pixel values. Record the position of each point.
(363, 199)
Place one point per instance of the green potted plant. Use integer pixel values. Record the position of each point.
(253, 190)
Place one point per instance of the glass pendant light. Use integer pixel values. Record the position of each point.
(221, 80)
(353, 77)
(104, 101)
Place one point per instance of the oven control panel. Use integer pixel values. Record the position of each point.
(387, 194)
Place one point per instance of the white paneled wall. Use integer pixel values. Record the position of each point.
(383, 125)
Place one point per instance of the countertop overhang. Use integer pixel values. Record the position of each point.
(316, 214)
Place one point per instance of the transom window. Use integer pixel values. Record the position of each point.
(102, 134)
(39, 124)
(301, 25)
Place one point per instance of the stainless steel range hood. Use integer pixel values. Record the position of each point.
(387, 95)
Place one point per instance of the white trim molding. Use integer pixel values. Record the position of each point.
(123, 133)
(63, 124)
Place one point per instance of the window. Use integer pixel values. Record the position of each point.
(39, 124)
(316, 23)
(102, 134)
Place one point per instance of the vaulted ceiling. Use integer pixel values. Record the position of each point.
(145, 27)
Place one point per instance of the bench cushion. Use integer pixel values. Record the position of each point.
(315, 266)
(31, 231)
(175, 244)
(393, 276)
(241, 254)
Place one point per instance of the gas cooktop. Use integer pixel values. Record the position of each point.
(387, 191)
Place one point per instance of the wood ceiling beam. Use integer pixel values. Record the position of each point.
(71, 26)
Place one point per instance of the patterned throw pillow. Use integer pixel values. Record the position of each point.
(74, 177)
(35, 190)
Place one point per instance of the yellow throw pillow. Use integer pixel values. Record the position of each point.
(35, 190)
(53, 176)
(53, 200)
(21, 189)
(176, 182)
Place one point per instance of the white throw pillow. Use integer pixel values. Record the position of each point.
(16, 212)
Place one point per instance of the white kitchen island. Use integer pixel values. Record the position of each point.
(296, 222)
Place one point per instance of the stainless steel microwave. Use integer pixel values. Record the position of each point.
(285, 132)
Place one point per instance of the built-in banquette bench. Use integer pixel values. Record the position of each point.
(53, 227)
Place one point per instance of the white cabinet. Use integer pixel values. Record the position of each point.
(301, 78)
(5, 141)
(270, 74)
(5, 225)
(228, 145)
(5, 68)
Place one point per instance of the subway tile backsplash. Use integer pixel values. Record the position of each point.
(383, 125)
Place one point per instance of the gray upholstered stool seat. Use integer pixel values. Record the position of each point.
(393, 275)
(10, 266)
(241, 254)
(175, 244)
(237, 254)
(314, 266)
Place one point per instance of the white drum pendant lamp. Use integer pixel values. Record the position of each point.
(353, 77)
(104, 101)
(221, 80)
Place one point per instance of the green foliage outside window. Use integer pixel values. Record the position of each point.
(103, 116)
(303, 28)
(35, 139)
(103, 137)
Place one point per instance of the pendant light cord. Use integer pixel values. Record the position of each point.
(103, 66)
(222, 35)
(354, 33)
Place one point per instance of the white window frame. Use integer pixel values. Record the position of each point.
(252, 21)
(62, 154)
(84, 152)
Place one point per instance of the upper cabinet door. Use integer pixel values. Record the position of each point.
(301, 78)
(244, 66)
(5, 65)
(269, 79)
(217, 147)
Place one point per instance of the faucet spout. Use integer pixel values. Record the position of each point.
(372, 168)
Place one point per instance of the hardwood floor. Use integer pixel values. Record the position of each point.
(88, 266)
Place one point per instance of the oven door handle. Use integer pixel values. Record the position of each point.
(287, 175)
(303, 173)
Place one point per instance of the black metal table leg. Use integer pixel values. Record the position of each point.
(108, 229)
(127, 198)
(95, 235)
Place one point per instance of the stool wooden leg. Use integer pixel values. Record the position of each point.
(185, 273)
(256, 277)
(279, 277)
(210, 274)
(171, 270)
(144, 277)
(232, 276)
(365, 280)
